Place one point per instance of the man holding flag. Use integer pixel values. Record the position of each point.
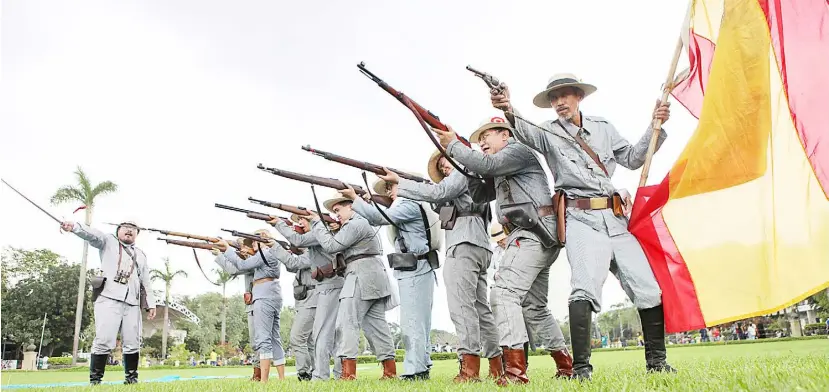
(582, 152)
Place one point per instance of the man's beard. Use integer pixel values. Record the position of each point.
(128, 241)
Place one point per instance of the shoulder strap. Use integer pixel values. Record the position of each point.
(426, 224)
(587, 149)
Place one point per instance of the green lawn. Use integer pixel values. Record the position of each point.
(774, 366)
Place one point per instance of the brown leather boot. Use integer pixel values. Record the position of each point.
(496, 367)
(389, 370)
(470, 369)
(257, 374)
(349, 371)
(564, 363)
(515, 370)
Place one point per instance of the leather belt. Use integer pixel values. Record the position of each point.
(353, 258)
(263, 280)
(542, 212)
(591, 203)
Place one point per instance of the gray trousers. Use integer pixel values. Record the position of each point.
(325, 320)
(592, 254)
(464, 275)
(302, 340)
(370, 316)
(267, 340)
(112, 316)
(522, 279)
(416, 294)
(255, 360)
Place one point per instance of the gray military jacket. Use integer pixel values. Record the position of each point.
(260, 270)
(452, 190)
(318, 257)
(357, 237)
(111, 250)
(519, 178)
(406, 215)
(231, 269)
(575, 172)
(301, 266)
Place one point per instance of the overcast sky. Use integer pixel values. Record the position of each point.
(178, 101)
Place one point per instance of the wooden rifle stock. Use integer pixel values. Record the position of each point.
(427, 116)
(301, 211)
(186, 235)
(249, 213)
(189, 244)
(333, 183)
(376, 169)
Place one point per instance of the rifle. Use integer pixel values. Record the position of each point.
(376, 169)
(189, 244)
(265, 240)
(424, 117)
(249, 213)
(333, 183)
(186, 235)
(301, 211)
(495, 84)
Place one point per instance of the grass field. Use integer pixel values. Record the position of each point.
(773, 366)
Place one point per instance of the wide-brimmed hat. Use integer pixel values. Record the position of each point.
(432, 167)
(559, 81)
(334, 200)
(295, 218)
(496, 232)
(130, 224)
(487, 124)
(379, 186)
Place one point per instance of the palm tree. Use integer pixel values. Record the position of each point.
(167, 277)
(224, 278)
(83, 192)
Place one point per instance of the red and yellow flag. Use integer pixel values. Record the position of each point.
(740, 225)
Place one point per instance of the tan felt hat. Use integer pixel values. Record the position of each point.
(334, 200)
(559, 81)
(379, 186)
(487, 124)
(434, 172)
(496, 232)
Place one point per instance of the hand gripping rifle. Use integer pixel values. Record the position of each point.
(376, 169)
(424, 117)
(265, 240)
(301, 211)
(384, 201)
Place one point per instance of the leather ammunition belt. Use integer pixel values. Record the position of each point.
(263, 280)
(591, 203)
(353, 258)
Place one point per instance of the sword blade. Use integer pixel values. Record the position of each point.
(30, 201)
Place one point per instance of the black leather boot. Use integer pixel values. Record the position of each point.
(653, 333)
(131, 368)
(304, 376)
(97, 366)
(581, 313)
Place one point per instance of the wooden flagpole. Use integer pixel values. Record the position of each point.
(656, 125)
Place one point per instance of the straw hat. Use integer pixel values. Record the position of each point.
(432, 167)
(334, 200)
(496, 232)
(487, 124)
(559, 81)
(379, 186)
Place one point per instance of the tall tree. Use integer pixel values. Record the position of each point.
(31, 279)
(224, 278)
(85, 193)
(167, 276)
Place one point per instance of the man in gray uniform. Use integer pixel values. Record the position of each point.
(525, 209)
(467, 258)
(583, 152)
(415, 276)
(267, 303)
(366, 294)
(248, 276)
(326, 293)
(117, 306)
